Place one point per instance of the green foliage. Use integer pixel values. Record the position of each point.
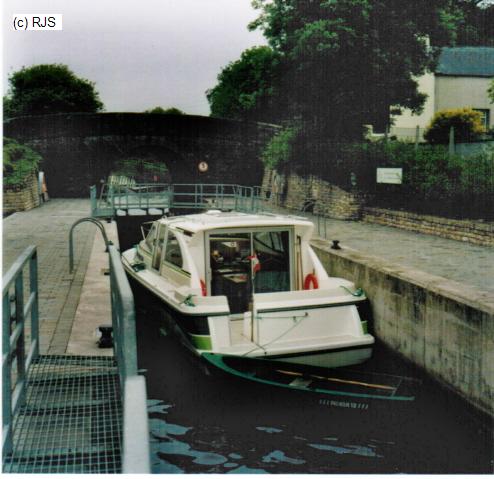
(244, 85)
(490, 91)
(429, 172)
(162, 111)
(140, 169)
(343, 63)
(42, 89)
(467, 124)
(279, 149)
(19, 163)
(476, 23)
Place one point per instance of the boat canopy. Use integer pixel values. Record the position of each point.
(215, 219)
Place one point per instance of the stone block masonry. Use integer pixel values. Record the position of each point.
(445, 327)
(22, 199)
(476, 232)
(311, 193)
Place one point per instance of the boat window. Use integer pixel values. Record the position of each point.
(159, 247)
(243, 263)
(272, 261)
(150, 238)
(230, 269)
(173, 254)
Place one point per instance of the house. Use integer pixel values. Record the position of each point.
(461, 79)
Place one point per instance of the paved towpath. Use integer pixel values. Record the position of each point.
(454, 260)
(47, 227)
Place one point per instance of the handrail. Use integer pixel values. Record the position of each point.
(13, 338)
(123, 318)
(71, 238)
(135, 454)
(178, 195)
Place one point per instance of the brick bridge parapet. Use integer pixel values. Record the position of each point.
(80, 149)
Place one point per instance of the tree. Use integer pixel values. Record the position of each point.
(467, 124)
(343, 63)
(490, 91)
(475, 23)
(245, 86)
(162, 111)
(42, 89)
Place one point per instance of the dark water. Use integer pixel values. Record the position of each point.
(206, 423)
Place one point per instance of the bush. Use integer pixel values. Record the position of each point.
(434, 182)
(279, 149)
(467, 124)
(19, 163)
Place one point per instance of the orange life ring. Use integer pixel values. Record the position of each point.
(203, 288)
(311, 280)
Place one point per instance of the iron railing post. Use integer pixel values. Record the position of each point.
(33, 280)
(20, 346)
(6, 378)
(13, 341)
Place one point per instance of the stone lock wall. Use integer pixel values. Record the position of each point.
(22, 199)
(445, 327)
(311, 193)
(476, 232)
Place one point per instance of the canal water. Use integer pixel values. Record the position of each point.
(202, 422)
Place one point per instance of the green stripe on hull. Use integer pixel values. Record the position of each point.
(365, 328)
(202, 342)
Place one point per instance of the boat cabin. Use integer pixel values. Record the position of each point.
(229, 255)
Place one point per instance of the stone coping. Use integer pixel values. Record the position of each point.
(466, 294)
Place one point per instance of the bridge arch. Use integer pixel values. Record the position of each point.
(81, 149)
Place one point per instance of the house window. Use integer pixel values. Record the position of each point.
(486, 117)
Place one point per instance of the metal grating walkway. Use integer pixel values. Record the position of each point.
(71, 421)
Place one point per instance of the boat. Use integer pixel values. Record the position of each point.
(335, 388)
(250, 286)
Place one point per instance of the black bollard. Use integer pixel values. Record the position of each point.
(336, 244)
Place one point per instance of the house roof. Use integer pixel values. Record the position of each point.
(466, 61)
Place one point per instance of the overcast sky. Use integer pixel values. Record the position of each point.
(140, 53)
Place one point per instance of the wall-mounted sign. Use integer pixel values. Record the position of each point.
(203, 167)
(390, 175)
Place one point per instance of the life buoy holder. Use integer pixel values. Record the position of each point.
(204, 290)
(311, 280)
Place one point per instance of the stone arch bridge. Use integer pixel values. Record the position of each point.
(81, 149)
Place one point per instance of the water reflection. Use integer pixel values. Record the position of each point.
(178, 449)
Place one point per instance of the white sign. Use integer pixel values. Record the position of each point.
(390, 175)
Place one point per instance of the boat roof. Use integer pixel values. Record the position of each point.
(215, 219)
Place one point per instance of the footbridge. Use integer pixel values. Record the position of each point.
(158, 198)
(70, 414)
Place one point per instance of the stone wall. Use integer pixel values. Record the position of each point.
(444, 327)
(476, 232)
(81, 149)
(311, 193)
(21, 199)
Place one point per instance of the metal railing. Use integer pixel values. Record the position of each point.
(98, 224)
(15, 313)
(135, 454)
(178, 196)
